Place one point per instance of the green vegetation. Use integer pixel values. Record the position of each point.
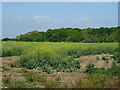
(105, 59)
(33, 77)
(58, 56)
(97, 58)
(51, 57)
(116, 57)
(9, 83)
(6, 79)
(89, 67)
(6, 68)
(96, 81)
(54, 51)
(33, 80)
(114, 70)
(13, 65)
(58, 79)
(18, 84)
(52, 84)
(89, 35)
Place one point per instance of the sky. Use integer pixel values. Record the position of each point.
(22, 17)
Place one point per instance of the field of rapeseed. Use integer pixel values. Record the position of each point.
(47, 56)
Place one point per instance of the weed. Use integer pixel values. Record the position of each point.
(40, 78)
(89, 67)
(23, 70)
(18, 84)
(105, 59)
(13, 65)
(52, 84)
(97, 58)
(6, 79)
(33, 77)
(58, 79)
(28, 76)
(116, 57)
(93, 81)
(6, 69)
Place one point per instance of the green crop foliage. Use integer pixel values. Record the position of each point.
(47, 56)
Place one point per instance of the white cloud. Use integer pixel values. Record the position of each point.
(45, 22)
(14, 27)
(42, 19)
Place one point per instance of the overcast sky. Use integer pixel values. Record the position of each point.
(22, 17)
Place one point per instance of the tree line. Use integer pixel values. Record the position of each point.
(88, 35)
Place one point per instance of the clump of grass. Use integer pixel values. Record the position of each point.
(23, 70)
(112, 83)
(33, 77)
(51, 84)
(105, 59)
(13, 65)
(89, 67)
(28, 76)
(97, 58)
(58, 79)
(116, 57)
(93, 81)
(39, 78)
(6, 79)
(18, 84)
(6, 69)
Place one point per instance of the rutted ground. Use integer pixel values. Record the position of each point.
(17, 73)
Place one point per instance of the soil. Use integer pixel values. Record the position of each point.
(66, 77)
(91, 59)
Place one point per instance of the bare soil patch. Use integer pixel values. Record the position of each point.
(66, 77)
(91, 59)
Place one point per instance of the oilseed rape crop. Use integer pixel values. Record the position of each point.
(48, 56)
